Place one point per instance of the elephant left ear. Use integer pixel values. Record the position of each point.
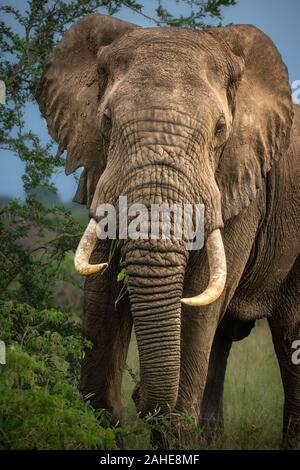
(263, 115)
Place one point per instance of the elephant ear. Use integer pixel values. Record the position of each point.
(262, 115)
(68, 95)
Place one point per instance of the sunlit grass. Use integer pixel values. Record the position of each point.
(253, 400)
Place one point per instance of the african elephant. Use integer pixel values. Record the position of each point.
(169, 115)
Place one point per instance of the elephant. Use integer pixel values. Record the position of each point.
(181, 116)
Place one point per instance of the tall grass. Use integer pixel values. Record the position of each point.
(253, 396)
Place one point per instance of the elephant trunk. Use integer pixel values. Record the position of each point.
(156, 272)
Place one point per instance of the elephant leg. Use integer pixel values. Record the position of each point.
(290, 375)
(211, 416)
(109, 330)
(211, 412)
(285, 328)
(197, 334)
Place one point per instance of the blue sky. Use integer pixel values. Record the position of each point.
(278, 18)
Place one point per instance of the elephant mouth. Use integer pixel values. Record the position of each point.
(215, 253)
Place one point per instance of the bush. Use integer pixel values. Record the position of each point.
(40, 407)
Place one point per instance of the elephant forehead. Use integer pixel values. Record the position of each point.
(174, 99)
(167, 51)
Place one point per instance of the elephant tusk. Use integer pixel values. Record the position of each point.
(84, 251)
(217, 272)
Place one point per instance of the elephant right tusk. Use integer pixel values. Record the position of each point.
(84, 251)
(217, 272)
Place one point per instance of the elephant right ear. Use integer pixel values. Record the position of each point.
(68, 96)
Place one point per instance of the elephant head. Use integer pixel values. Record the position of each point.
(166, 116)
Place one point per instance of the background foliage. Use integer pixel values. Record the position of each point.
(40, 295)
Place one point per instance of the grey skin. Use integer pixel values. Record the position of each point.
(177, 116)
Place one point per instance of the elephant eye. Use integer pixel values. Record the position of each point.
(220, 127)
(107, 115)
(106, 123)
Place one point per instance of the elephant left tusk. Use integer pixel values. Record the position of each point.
(84, 251)
(217, 272)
